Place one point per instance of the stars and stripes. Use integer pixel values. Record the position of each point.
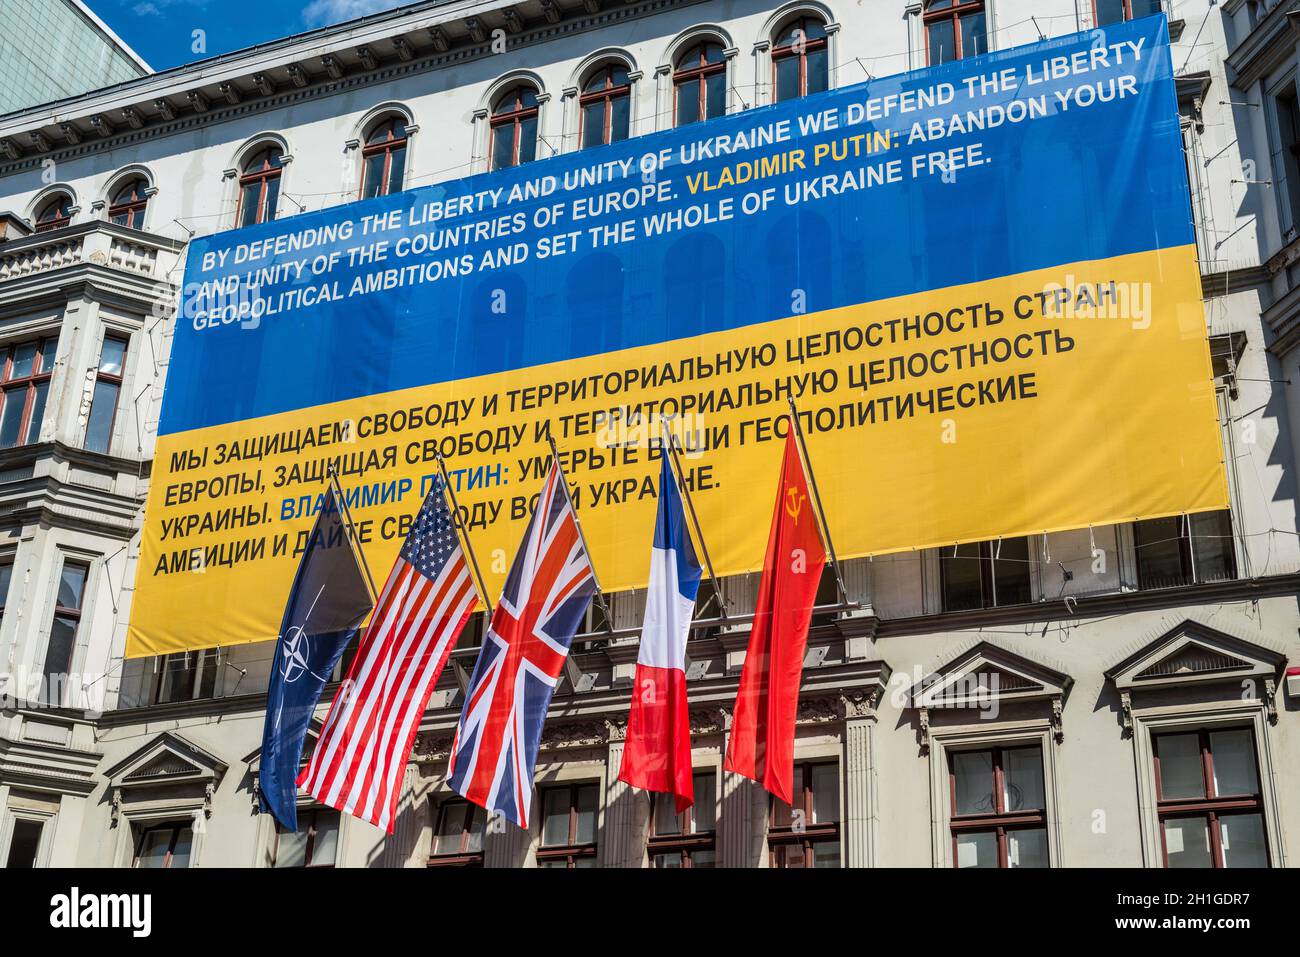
(359, 759)
(545, 597)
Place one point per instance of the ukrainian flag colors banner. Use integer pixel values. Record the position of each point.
(977, 281)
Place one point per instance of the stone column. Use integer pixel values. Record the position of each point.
(736, 819)
(622, 841)
(402, 847)
(859, 778)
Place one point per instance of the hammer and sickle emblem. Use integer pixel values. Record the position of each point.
(793, 503)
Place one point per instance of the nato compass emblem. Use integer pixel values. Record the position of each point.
(294, 652)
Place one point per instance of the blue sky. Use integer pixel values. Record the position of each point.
(162, 31)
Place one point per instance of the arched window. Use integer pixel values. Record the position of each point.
(955, 29)
(699, 84)
(606, 106)
(259, 187)
(127, 206)
(384, 158)
(514, 128)
(55, 213)
(800, 60)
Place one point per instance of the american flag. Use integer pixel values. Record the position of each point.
(545, 596)
(359, 759)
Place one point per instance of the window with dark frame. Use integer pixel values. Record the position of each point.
(383, 158)
(700, 84)
(458, 835)
(314, 844)
(186, 675)
(6, 579)
(128, 205)
(1286, 156)
(24, 388)
(604, 106)
(55, 213)
(800, 59)
(63, 630)
(1185, 550)
(998, 814)
(24, 843)
(513, 128)
(108, 388)
(568, 826)
(687, 839)
(807, 834)
(954, 29)
(164, 845)
(1208, 799)
(259, 187)
(985, 574)
(1106, 12)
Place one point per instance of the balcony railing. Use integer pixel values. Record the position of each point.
(96, 244)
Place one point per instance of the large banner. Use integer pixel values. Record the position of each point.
(977, 281)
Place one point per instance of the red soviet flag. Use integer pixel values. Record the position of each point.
(762, 729)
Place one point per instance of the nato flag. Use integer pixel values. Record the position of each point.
(327, 604)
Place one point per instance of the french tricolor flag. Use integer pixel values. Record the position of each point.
(657, 752)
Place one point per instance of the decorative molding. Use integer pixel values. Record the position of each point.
(307, 87)
(1192, 653)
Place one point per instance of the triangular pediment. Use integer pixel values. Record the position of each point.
(168, 758)
(988, 672)
(1193, 653)
(254, 758)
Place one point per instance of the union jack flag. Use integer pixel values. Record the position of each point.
(545, 596)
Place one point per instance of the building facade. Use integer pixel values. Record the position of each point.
(51, 49)
(1120, 695)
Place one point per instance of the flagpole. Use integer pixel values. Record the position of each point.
(600, 593)
(817, 500)
(488, 607)
(352, 530)
(675, 465)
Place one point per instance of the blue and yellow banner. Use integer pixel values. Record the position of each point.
(978, 282)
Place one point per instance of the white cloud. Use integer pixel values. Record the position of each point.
(321, 13)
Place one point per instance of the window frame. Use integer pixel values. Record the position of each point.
(1128, 13)
(6, 561)
(262, 176)
(207, 666)
(66, 611)
(29, 384)
(463, 857)
(1000, 820)
(780, 53)
(1208, 808)
(118, 379)
(780, 837)
(988, 559)
(66, 207)
(1190, 572)
(310, 812)
(514, 119)
(687, 842)
(571, 852)
(141, 828)
(390, 145)
(971, 737)
(46, 820)
(606, 95)
(701, 71)
(959, 9)
(133, 209)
